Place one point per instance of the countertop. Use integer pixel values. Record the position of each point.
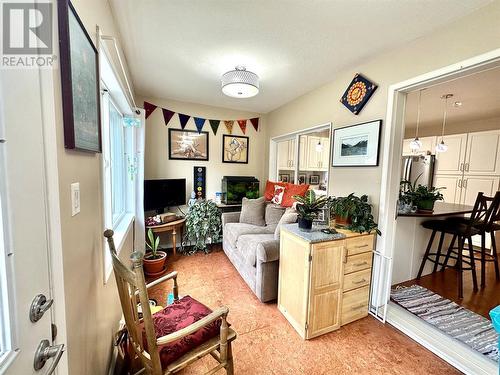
(442, 209)
(314, 235)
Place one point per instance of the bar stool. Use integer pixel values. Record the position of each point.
(461, 231)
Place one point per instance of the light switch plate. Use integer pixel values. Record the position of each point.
(75, 198)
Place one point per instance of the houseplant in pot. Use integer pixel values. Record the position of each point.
(341, 209)
(308, 207)
(423, 197)
(154, 260)
(361, 217)
(203, 226)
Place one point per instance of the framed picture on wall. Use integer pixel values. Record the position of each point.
(302, 178)
(314, 179)
(284, 177)
(187, 145)
(79, 82)
(234, 149)
(357, 145)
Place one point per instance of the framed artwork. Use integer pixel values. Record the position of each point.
(357, 145)
(323, 217)
(187, 145)
(234, 149)
(358, 93)
(284, 178)
(302, 178)
(314, 179)
(79, 82)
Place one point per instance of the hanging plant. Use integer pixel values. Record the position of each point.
(203, 226)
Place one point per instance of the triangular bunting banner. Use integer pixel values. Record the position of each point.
(255, 123)
(214, 124)
(183, 119)
(167, 115)
(149, 108)
(243, 125)
(199, 122)
(229, 126)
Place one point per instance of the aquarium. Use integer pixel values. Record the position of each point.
(235, 188)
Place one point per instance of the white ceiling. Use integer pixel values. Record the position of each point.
(179, 49)
(479, 94)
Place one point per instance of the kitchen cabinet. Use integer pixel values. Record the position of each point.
(286, 155)
(428, 146)
(471, 185)
(315, 160)
(483, 153)
(452, 161)
(452, 187)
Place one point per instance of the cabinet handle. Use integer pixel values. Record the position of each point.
(461, 167)
(360, 246)
(345, 256)
(358, 307)
(467, 167)
(360, 264)
(464, 184)
(360, 281)
(460, 183)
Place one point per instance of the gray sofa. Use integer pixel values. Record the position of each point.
(254, 252)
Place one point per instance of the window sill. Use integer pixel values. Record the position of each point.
(121, 231)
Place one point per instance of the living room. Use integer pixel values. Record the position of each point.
(254, 150)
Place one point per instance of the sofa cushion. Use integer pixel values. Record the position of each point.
(269, 192)
(173, 318)
(289, 217)
(252, 211)
(290, 191)
(274, 212)
(232, 231)
(247, 246)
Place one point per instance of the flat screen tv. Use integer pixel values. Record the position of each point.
(159, 194)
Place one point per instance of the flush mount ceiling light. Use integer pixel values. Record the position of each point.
(442, 147)
(240, 83)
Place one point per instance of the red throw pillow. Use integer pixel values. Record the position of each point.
(269, 192)
(290, 191)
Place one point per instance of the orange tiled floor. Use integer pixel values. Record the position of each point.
(267, 344)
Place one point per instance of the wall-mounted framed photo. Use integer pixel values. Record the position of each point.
(302, 178)
(314, 179)
(284, 178)
(187, 145)
(79, 82)
(235, 149)
(323, 217)
(357, 145)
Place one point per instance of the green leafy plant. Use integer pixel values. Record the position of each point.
(342, 206)
(203, 224)
(310, 205)
(419, 195)
(153, 243)
(358, 210)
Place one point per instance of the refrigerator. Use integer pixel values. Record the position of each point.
(416, 165)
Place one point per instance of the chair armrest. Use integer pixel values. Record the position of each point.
(230, 217)
(268, 251)
(217, 314)
(171, 275)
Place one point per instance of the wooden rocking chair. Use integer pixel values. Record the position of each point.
(143, 332)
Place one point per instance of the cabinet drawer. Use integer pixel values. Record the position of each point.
(357, 279)
(359, 245)
(355, 304)
(358, 262)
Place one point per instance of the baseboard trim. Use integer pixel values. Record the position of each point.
(452, 351)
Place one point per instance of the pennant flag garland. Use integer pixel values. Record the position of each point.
(149, 108)
(183, 119)
(255, 123)
(167, 115)
(243, 125)
(214, 124)
(199, 122)
(229, 126)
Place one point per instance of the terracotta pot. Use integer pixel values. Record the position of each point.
(342, 221)
(155, 266)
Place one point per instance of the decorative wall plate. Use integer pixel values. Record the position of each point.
(358, 93)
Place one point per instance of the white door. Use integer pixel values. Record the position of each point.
(452, 161)
(483, 153)
(452, 187)
(25, 246)
(474, 184)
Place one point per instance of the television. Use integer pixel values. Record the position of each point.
(159, 194)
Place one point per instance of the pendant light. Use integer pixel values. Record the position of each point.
(442, 147)
(319, 146)
(416, 144)
(240, 83)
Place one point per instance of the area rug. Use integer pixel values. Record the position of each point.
(456, 321)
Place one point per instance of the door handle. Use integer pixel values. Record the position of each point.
(464, 184)
(467, 167)
(461, 167)
(39, 306)
(44, 352)
(460, 183)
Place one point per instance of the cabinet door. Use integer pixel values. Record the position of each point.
(474, 184)
(483, 153)
(283, 159)
(313, 155)
(406, 147)
(452, 187)
(291, 153)
(325, 288)
(303, 149)
(325, 154)
(452, 161)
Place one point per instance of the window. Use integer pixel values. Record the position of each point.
(118, 163)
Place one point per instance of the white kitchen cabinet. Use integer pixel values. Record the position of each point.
(483, 153)
(303, 153)
(452, 187)
(452, 161)
(325, 154)
(428, 146)
(471, 185)
(317, 160)
(286, 154)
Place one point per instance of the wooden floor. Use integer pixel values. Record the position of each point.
(444, 283)
(268, 345)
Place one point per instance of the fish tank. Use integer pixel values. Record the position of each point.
(235, 188)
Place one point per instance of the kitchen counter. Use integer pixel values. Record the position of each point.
(442, 209)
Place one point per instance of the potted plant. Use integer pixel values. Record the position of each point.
(423, 197)
(203, 225)
(308, 207)
(154, 260)
(361, 216)
(341, 209)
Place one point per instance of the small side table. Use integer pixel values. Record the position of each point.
(173, 226)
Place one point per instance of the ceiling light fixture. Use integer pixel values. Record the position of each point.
(417, 143)
(240, 83)
(442, 147)
(319, 146)
(457, 104)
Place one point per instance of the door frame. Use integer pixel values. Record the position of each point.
(391, 166)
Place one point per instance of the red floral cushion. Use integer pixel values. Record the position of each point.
(173, 318)
(269, 192)
(290, 191)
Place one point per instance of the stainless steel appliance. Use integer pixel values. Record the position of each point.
(418, 165)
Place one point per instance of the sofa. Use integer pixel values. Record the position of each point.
(254, 248)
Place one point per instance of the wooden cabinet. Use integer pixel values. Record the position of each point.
(324, 285)
(428, 146)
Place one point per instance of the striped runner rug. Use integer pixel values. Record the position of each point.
(456, 321)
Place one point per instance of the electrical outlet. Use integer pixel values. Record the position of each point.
(75, 198)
